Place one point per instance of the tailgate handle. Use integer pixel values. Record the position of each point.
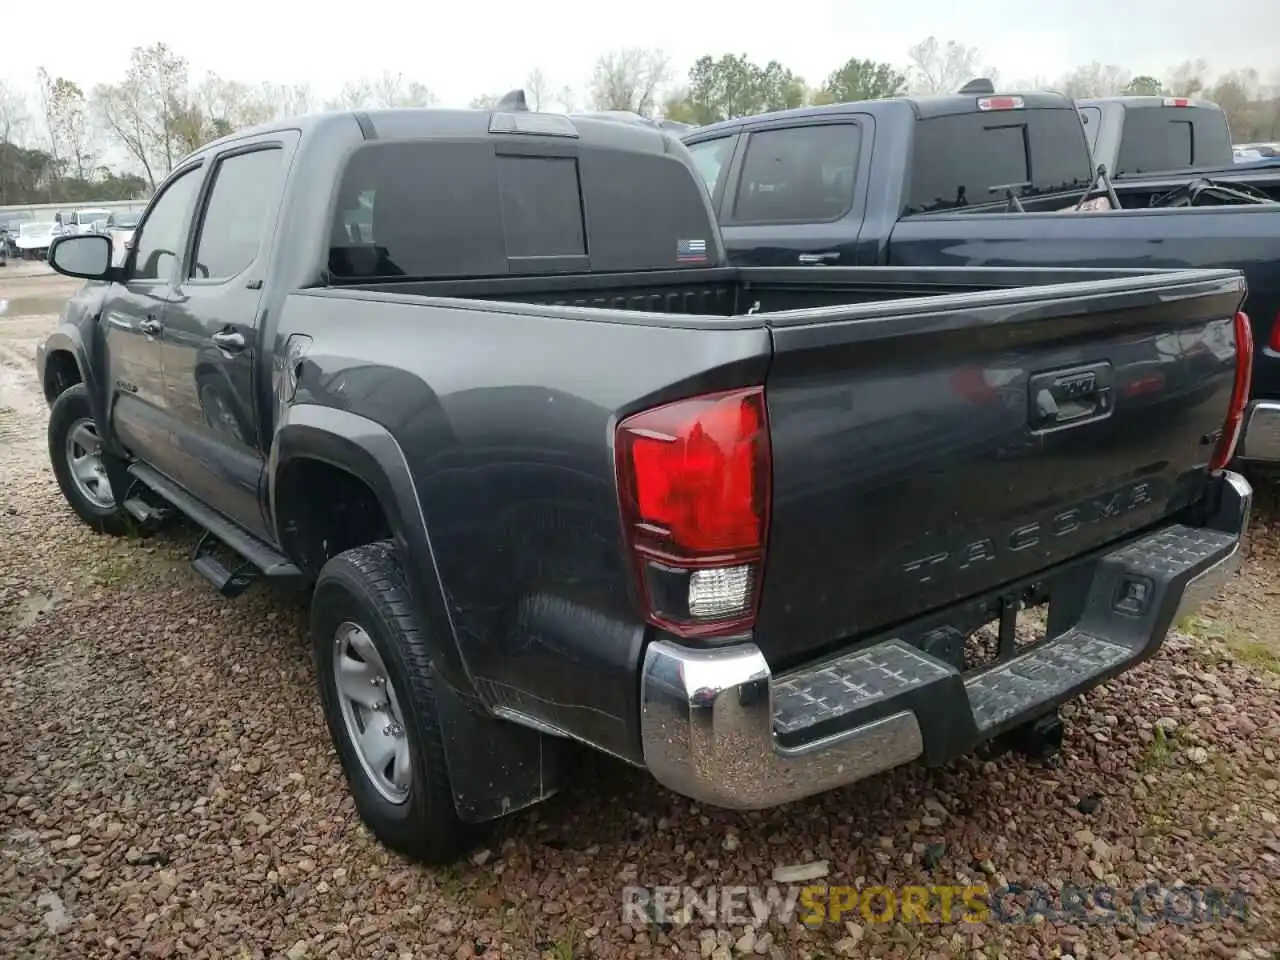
(1076, 395)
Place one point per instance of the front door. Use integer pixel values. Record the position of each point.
(211, 348)
(133, 315)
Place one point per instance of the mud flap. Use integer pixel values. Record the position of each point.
(495, 767)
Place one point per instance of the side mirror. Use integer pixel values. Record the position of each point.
(86, 256)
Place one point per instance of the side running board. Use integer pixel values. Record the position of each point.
(258, 558)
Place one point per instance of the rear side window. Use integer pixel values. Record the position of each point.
(798, 174)
(969, 159)
(1156, 139)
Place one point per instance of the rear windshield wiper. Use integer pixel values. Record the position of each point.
(1014, 203)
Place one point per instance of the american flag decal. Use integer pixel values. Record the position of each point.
(691, 251)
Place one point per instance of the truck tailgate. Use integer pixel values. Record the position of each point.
(928, 451)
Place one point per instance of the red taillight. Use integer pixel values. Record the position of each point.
(694, 483)
(1273, 341)
(1226, 448)
(1000, 103)
(1177, 102)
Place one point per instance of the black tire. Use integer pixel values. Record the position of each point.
(72, 407)
(365, 586)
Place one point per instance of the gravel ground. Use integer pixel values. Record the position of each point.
(167, 786)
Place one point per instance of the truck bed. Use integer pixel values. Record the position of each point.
(913, 467)
(733, 292)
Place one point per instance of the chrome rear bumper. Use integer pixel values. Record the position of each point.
(1260, 438)
(716, 725)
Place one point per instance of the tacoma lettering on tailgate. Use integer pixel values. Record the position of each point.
(1064, 523)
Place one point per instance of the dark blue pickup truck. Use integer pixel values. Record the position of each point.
(975, 180)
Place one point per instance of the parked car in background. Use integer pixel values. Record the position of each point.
(10, 224)
(1144, 135)
(83, 220)
(1152, 145)
(1259, 151)
(34, 238)
(985, 180)
(119, 227)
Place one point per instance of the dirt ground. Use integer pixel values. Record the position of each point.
(167, 787)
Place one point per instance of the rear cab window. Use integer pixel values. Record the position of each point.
(968, 159)
(1162, 138)
(506, 205)
(798, 174)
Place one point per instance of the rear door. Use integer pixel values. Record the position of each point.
(212, 344)
(795, 191)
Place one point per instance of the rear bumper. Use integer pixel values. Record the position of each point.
(1260, 439)
(717, 726)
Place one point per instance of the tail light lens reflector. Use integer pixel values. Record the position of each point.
(1234, 423)
(694, 484)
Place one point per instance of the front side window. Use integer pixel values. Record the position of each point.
(163, 234)
(235, 219)
(710, 158)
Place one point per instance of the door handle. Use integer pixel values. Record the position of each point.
(817, 259)
(230, 341)
(150, 326)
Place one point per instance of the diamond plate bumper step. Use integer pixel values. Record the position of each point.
(718, 726)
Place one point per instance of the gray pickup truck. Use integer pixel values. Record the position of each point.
(558, 475)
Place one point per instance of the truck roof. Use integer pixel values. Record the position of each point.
(919, 107)
(462, 193)
(1146, 101)
(420, 122)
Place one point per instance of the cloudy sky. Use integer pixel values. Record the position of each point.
(459, 50)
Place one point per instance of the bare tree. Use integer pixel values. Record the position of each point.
(385, 91)
(13, 113)
(151, 111)
(1189, 78)
(1038, 82)
(44, 90)
(228, 105)
(629, 79)
(568, 98)
(66, 116)
(282, 100)
(536, 90)
(1245, 80)
(486, 101)
(1094, 80)
(939, 68)
(13, 122)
